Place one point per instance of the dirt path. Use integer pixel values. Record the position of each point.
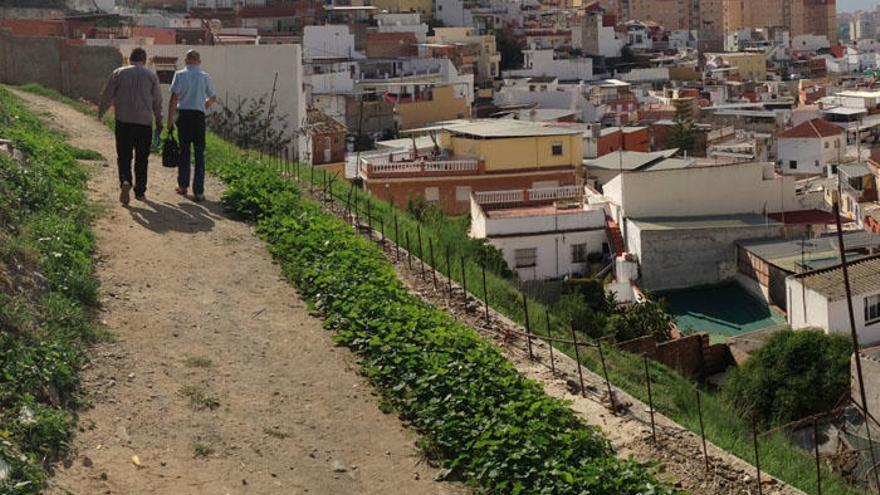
(218, 380)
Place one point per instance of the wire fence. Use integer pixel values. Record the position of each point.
(465, 277)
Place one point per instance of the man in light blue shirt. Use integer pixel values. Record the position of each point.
(192, 94)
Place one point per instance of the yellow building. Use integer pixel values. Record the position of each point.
(513, 145)
(751, 66)
(431, 104)
(423, 7)
(488, 65)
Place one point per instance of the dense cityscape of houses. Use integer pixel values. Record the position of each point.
(669, 145)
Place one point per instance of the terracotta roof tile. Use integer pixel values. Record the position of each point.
(812, 129)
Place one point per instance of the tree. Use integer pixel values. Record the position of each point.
(511, 51)
(795, 374)
(253, 123)
(683, 129)
(638, 320)
(585, 320)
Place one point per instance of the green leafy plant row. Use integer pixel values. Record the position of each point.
(477, 415)
(47, 287)
(674, 395)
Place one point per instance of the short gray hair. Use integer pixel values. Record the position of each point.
(193, 56)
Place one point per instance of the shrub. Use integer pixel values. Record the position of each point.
(796, 374)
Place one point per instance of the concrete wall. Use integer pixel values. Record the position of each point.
(711, 190)
(76, 71)
(871, 372)
(833, 316)
(678, 258)
(518, 153)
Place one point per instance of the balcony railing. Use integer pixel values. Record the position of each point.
(404, 165)
(529, 196)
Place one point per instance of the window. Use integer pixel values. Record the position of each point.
(463, 194)
(525, 258)
(872, 309)
(557, 149)
(432, 194)
(826, 145)
(792, 164)
(578, 253)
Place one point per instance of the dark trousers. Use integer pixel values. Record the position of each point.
(136, 138)
(191, 132)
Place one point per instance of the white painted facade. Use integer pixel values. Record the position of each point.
(810, 156)
(551, 236)
(328, 41)
(809, 309)
(810, 42)
(406, 22)
(595, 39)
(544, 63)
(248, 71)
(710, 190)
(452, 13)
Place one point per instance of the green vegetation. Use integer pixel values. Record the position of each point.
(796, 374)
(200, 397)
(684, 131)
(47, 289)
(477, 414)
(673, 394)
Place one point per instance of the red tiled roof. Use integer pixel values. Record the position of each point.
(813, 129)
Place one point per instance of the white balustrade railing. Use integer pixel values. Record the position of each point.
(526, 195)
(389, 165)
(555, 193)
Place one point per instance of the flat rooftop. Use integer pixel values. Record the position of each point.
(817, 253)
(703, 222)
(501, 128)
(632, 160)
(532, 211)
(722, 311)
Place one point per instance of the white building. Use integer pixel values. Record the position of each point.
(453, 13)
(243, 71)
(818, 299)
(407, 22)
(539, 63)
(328, 42)
(544, 233)
(808, 148)
(810, 42)
(593, 37)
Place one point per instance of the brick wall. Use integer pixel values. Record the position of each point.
(691, 356)
(400, 192)
(391, 45)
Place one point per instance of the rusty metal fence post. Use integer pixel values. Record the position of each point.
(650, 399)
(369, 219)
(550, 341)
(433, 263)
(449, 271)
(421, 249)
(757, 453)
(485, 292)
(525, 300)
(463, 281)
(818, 462)
(577, 359)
(607, 380)
(396, 239)
(408, 251)
(702, 428)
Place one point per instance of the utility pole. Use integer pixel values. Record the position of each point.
(855, 339)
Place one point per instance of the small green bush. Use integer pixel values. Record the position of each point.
(796, 374)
